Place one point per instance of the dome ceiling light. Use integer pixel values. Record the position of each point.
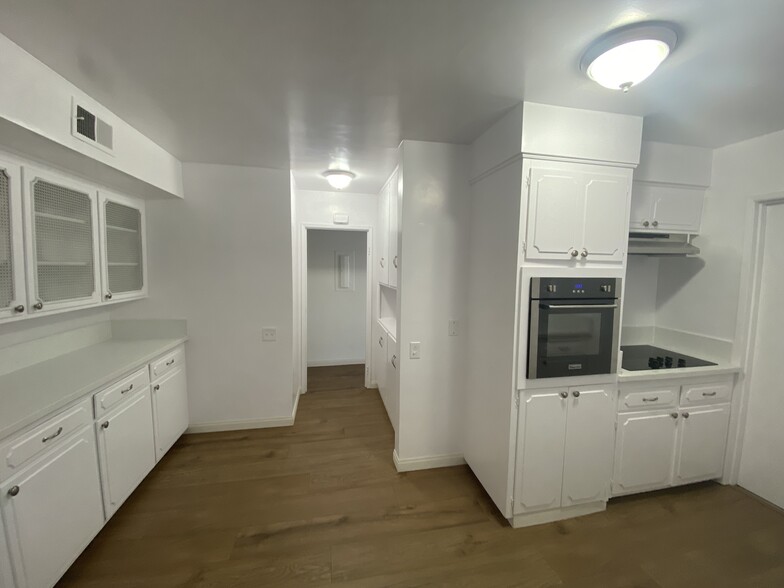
(339, 178)
(625, 57)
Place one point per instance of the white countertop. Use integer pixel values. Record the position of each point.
(31, 393)
(676, 373)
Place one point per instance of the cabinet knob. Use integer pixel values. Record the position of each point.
(646, 224)
(108, 296)
(394, 361)
(685, 415)
(13, 491)
(674, 415)
(394, 262)
(19, 308)
(655, 223)
(576, 394)
(156, 387)
(381, 341)
(381, 262)
(564, 394)
(38, 305)
(573, 252)
(584, 253)
(105, 425)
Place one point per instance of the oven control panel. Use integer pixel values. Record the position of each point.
(565, 288)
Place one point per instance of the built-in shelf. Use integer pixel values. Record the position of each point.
(63, 263)
(58, 217)
(123, 229)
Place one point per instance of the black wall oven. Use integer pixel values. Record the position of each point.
(573, 327)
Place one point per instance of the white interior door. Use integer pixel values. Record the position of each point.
(760, 471)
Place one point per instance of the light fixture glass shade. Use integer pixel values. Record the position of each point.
(339, 179)
(626, 57)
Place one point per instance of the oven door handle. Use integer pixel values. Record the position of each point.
(573, 306)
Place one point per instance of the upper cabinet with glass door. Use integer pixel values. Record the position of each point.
(62, 243)
(12, 278)
(123, 251)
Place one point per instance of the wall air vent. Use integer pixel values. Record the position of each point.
(90, 128)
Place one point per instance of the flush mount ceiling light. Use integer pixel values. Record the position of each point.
(339, 178)
(624, 57)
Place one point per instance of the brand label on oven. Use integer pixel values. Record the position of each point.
(575, 366)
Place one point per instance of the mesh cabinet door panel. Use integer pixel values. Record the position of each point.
(63, 225)
(7, 286)
(123, 248)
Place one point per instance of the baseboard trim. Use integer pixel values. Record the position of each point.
(558, 514)
(332, 362)
(242, 425)
(427, 463)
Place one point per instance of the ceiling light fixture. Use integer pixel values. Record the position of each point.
(339, 178)
(625, 57)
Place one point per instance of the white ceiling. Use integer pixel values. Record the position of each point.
(302, 84)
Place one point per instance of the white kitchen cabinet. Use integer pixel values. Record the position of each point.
(587, 466)
(577, 213)
(170, 408)
(392, 381)
(52, 510)
(13, 293)
(666, 208)
(123, 247)
(702, 442)
(394, 220)
(126, 448)
(644, 451)
(380, 357)
(62, 242)
(382, 230)
(542, 422)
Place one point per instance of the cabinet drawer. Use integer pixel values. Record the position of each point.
(706, 393)
(114, 394)
(654, 398)
(163, 365)
(19, 451)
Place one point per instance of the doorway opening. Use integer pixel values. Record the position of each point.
(336, 303)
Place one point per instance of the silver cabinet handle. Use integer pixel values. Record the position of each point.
(394, 262)
(105, 425)
(13, 490)
(381, 261)
(576, 394)
(170, 362)
(584, 253)
(394, 361)
(108, 296)
(674, 415)
(38, 305)
(156, 387)
(128, 389)
(646, 224)
(685, 415)
(654, 399)
(19, 308)
(709, 393)
(573, 252)
(52, 436)
(573, 306)
(655, 223)
(381, 341)
(564, 394)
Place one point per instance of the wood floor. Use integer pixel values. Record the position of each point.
(320, 503)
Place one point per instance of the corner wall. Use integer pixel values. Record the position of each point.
(221, 259)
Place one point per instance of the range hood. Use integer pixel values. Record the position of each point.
(661, 244)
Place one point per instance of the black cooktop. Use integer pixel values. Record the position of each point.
(648, 357)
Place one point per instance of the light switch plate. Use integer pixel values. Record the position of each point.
(414, 350)
(453, 328)
(269, 334)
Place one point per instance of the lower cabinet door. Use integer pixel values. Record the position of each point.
(170, 409)
(589, 444)
(392, 381)
(52, 511)
(539, 468)
(380, 359)
(126, 446)
(644, 451)
(703, 440)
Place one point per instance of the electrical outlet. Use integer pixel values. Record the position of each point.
(269, 334)
(453, 328)
(414, 350)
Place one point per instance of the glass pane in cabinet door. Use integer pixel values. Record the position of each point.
(63, 242)
(123, 247)
(6, 250)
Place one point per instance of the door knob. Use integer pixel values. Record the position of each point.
(19, 308)
(564, 394)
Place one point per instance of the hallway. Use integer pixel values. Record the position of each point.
(320, 503)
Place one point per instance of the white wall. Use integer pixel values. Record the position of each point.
(336, 317)
(432, 290)
(221, 259)
(639, 299)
